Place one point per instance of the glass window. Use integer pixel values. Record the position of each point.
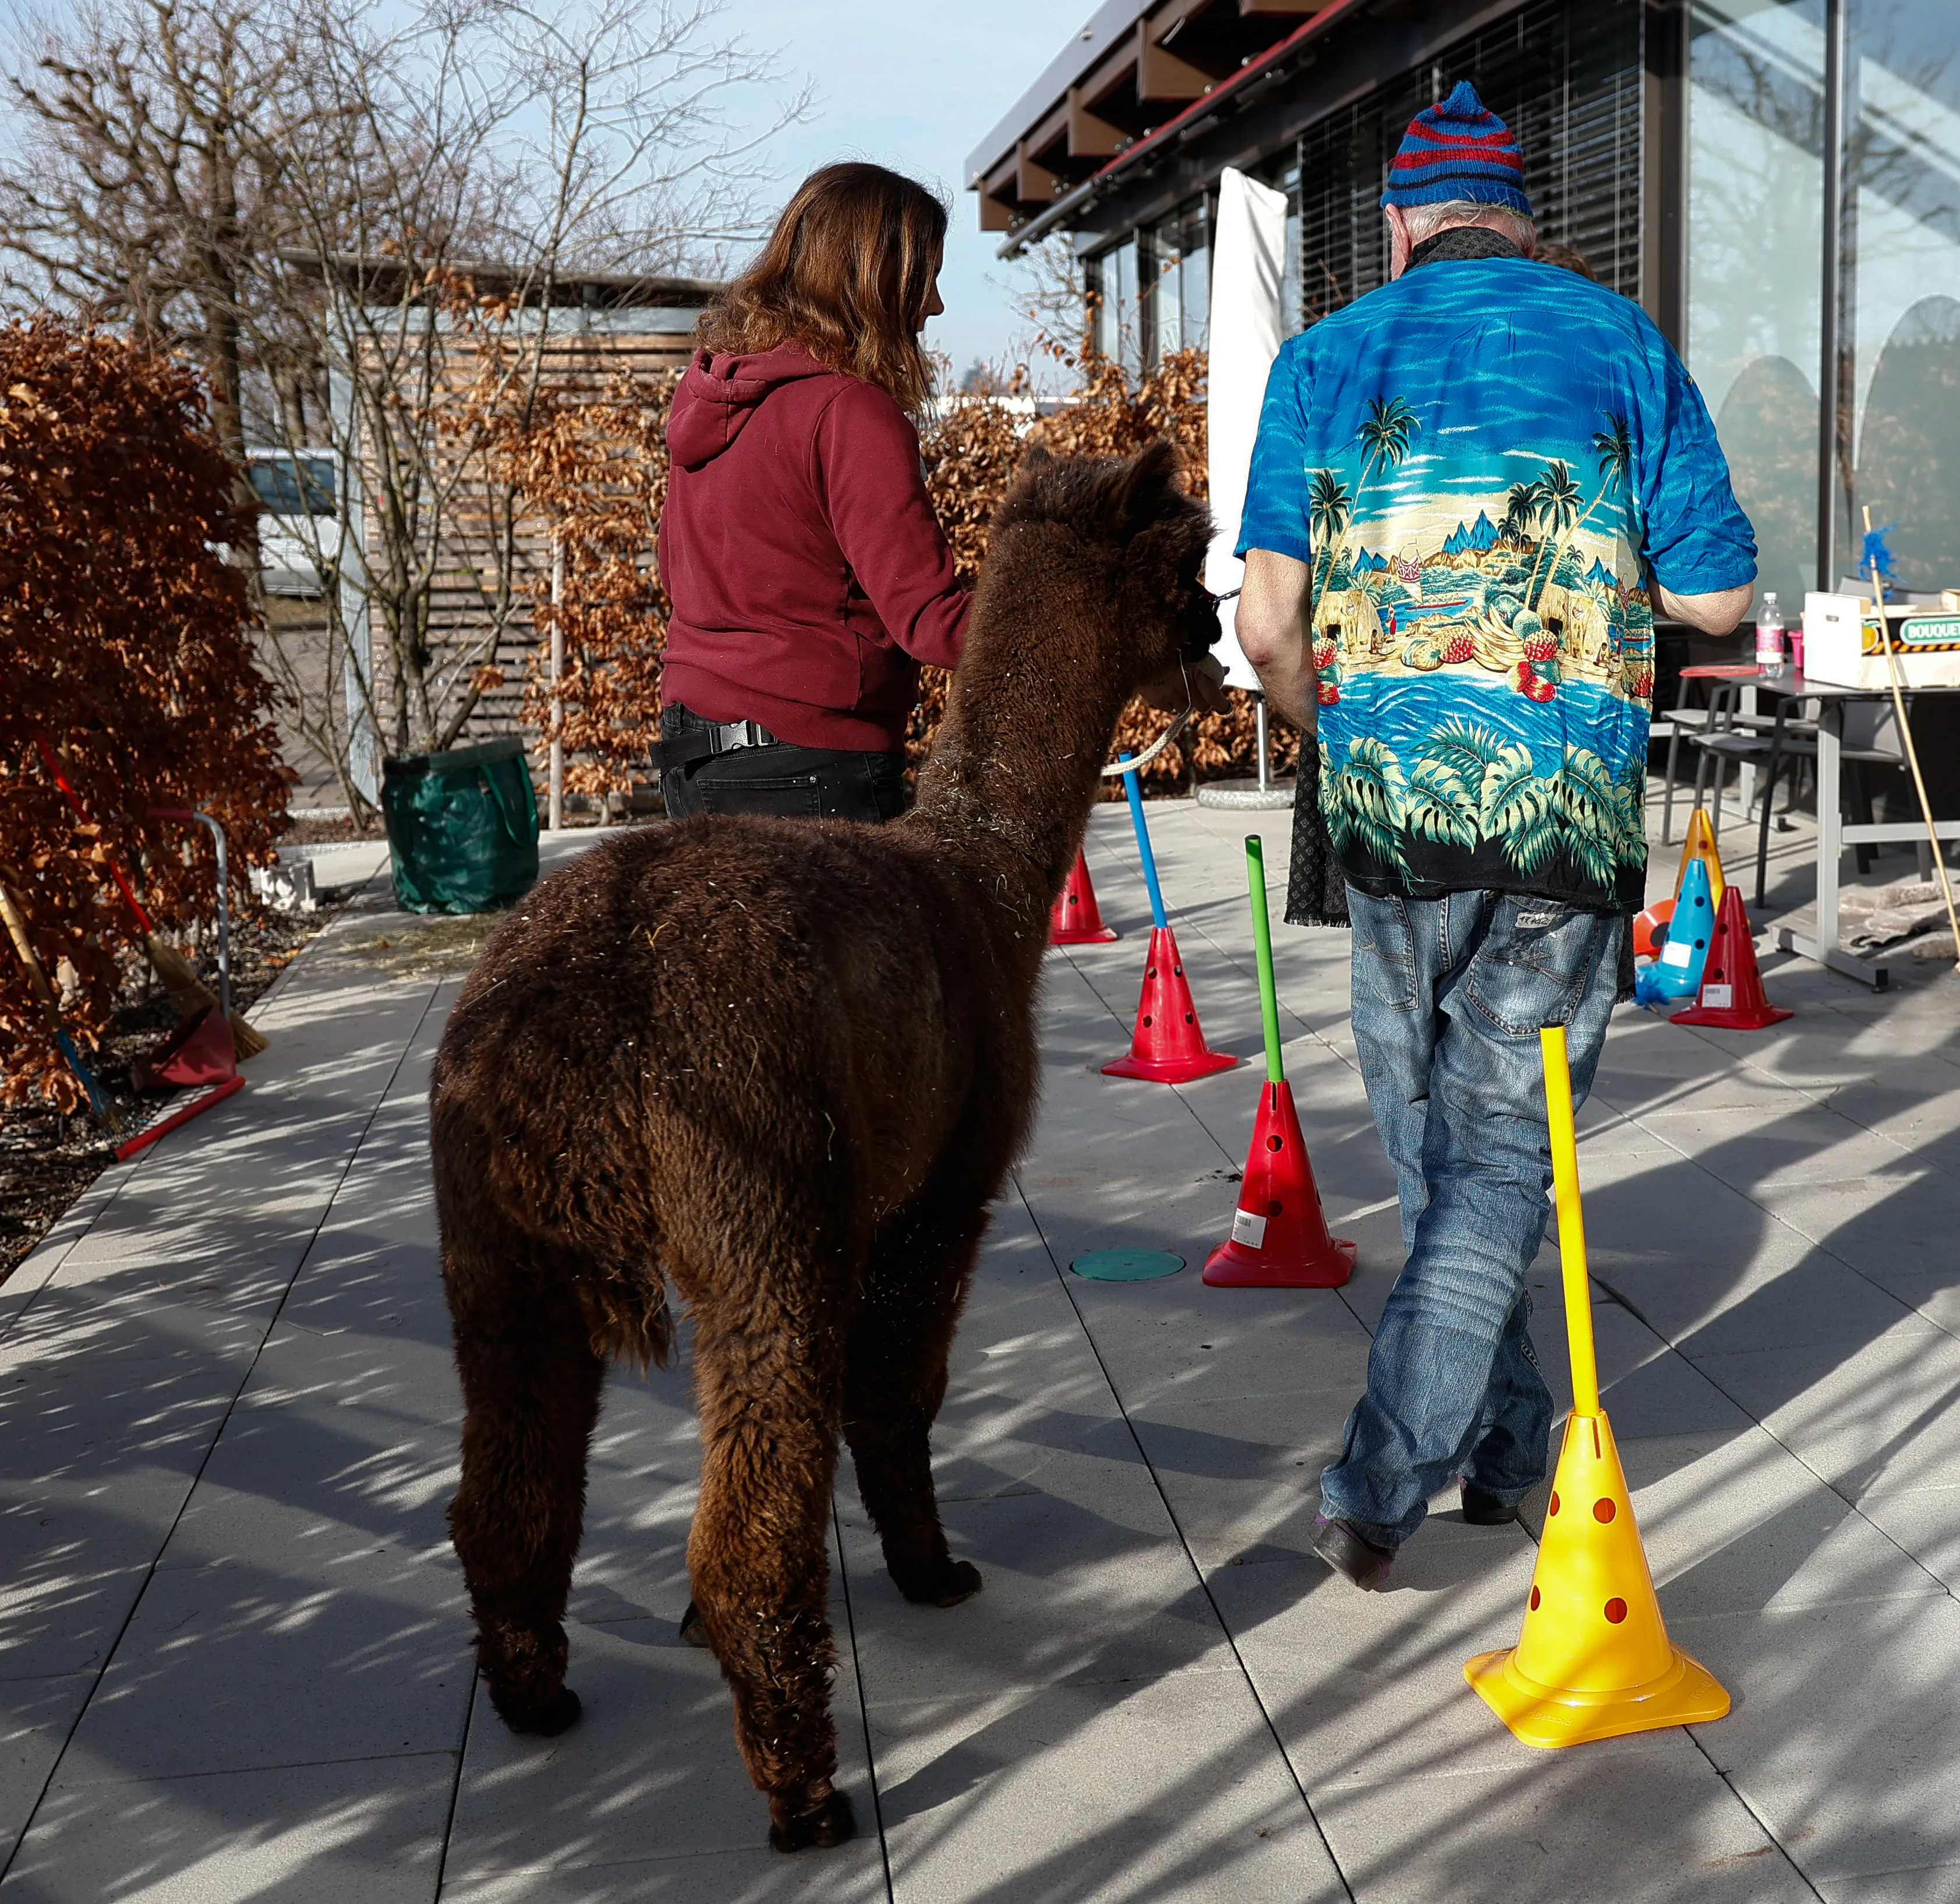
(1898, 438)
(294, 485)
(1755, 222)
(1180, 282)
(1118, 319)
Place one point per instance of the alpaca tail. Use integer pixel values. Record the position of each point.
(629, 1315)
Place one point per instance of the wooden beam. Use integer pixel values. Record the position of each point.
(998, 210)
(1034, 183)
(1051, 131)
(1162, 75)
(1295, 8)
(1091, 136)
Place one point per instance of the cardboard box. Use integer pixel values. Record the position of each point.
(1841, 644)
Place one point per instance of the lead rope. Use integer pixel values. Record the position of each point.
(1163, 739)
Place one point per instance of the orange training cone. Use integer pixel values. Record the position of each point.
(1076, 919)
(1168, 1045)
(1732, 994)
(1594, 1660)
(1701, 845)
(1279, 1238)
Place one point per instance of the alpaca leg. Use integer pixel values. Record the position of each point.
(757, 1555)
(530, 1387)
(895, 1380)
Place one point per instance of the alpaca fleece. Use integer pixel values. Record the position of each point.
(783, 1066)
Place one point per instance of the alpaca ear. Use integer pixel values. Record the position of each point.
(1142, 487)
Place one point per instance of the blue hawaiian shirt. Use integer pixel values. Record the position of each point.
(1486, 465)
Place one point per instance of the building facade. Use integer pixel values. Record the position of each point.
(1776, 181)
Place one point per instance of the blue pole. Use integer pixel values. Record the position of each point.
(1131, 787)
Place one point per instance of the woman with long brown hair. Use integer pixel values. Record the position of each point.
(807, 573)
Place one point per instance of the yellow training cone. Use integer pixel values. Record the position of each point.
(1594, 1660)
(1701, 845)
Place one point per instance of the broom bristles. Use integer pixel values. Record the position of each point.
(189, 993)
(247, 1041)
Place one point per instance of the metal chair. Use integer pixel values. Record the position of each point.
(1730, 736)
(1870, 726)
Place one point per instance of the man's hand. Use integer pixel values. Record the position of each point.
(1204, 682)
(1273, 632)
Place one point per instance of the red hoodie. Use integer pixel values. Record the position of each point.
(807, 573)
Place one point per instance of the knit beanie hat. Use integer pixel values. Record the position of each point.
(1459, 150)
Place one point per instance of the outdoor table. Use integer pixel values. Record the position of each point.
(1833, 834)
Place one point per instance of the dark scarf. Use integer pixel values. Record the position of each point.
(1463, 241)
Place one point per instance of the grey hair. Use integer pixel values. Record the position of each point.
(1425, 221)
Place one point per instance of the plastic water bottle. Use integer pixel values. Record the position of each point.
(1769, 637)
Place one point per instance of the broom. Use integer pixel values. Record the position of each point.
(188, 992)
(44, 993)
(1911, 751)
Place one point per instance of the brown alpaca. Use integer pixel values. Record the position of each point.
(786, 1064)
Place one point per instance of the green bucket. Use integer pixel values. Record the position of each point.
(462, 827)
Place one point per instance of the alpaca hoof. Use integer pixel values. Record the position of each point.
(693, 1628)
(829, 1823)
(961, 1580)
(557, 1715)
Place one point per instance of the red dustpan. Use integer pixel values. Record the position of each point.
(1279, 1238)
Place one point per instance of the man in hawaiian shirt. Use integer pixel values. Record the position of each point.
(1471, 490)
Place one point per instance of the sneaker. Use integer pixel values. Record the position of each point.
(1354, 1558)
(1483, 1510)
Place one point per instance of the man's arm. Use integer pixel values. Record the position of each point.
(1715, 614)
(1275, 634)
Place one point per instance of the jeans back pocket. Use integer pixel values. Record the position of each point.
(1532, 968)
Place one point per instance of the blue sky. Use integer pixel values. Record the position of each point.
(915, 84)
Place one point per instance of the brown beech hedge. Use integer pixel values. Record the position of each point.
(124, 643)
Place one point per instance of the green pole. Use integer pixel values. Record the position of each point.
(1262, 945)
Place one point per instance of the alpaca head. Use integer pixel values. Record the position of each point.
(1127, 527)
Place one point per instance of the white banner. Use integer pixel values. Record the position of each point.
(1248, 260)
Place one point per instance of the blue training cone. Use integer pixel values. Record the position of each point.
(1677, 972)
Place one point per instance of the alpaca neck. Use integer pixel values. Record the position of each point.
(1017, 757)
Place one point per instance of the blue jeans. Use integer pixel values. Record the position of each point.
(1449, 994)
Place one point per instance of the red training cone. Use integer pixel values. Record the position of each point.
(1168, 1046)
(1076, 920)
(1279, 1237)
(1731, 988)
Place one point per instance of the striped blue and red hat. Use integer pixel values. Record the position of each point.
(1460, 149)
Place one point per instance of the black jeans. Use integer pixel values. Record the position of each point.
(782, 782)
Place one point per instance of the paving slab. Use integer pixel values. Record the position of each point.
(233, 1651)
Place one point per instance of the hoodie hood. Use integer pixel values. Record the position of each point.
(718, 395)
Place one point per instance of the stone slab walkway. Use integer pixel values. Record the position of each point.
(233, 1658)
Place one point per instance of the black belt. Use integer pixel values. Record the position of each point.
(711, 738)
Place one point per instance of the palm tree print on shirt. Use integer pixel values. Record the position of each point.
(1329, 507)
(1384, 437)
(1470, 784)
(1614, 446)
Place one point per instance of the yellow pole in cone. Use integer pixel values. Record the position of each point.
(1593, 1660)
